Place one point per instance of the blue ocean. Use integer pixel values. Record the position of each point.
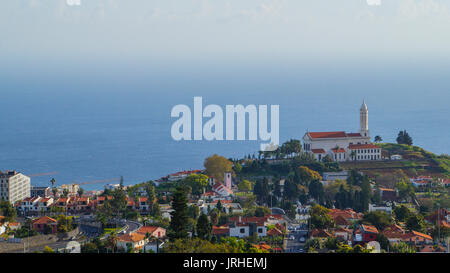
(101, 121)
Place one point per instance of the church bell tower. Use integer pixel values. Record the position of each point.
(364, 120)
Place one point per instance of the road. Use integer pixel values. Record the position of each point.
(296, 238)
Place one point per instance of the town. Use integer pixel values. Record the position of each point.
(335, 192)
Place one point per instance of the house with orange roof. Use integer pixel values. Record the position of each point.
(13, 226)
(262, 246)
(220, 231)
(365, 233)
(343, 233)
(45, 224)
(247, 226)
(345, 217)
(135, 241)
(417, 238)
(321, 234)
(152, 231)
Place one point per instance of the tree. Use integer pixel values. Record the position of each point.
(65, 193)
(214, 215)
(216, 166)
(383, 240)
(316, 191)
(365, 193)
(320, 217)
(54, 191)
(245, 186)
(48, 249)
(204, 227)
(291, 191)
(402, 247)
(178, 224)
(118, 202)
(405, 189)
(80, 192)
(111, 241)
(64, 224)
(8, 211)
(304, 175)
(379, 219)
(53, 181)
(401, 213)
(378, 139)
(261, 211)
(404, 138)
(415, 222)
(261, 190)
(219, 206)
(197, 182)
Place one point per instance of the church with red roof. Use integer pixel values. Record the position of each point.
(342, 146)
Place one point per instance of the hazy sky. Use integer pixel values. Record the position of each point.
(171, 30)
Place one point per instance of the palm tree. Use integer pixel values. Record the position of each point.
(112, 240)
(53, 181)
(378, 139)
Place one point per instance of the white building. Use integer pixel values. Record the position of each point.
(14, 186)
(332, 176)
(342, 146)
(242, 227)
(387, 208)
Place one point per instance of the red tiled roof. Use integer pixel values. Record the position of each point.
(419, 234)
(327, 134)
(354, 134)
(220, 230)
(339, 150)
(245, 220)
(147, 229)
(347, 214)
(262, 246)
(131, 237)
(45, 220)
(371, 229)
(386, 189)
(363, 146)
(318, 151)
(274, 232)
(320, 233)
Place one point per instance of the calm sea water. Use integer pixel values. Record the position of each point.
(87, 123)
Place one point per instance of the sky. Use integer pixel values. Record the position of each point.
(228, 30)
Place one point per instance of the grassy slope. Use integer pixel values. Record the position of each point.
(416, 161)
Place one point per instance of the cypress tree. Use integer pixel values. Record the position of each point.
(179, 217)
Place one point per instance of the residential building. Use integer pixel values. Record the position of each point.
(386, 208)
(365, 233)
(152, 231)
(14, 186)
(45, 224)
(40, 191)
(135, 241)
(247, 226)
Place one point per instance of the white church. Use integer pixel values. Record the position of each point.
(342, 146)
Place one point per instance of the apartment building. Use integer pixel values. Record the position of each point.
(14, 186)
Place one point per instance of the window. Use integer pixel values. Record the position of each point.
(260, 230)
(242, 230)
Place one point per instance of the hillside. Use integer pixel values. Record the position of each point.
(416, 161)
